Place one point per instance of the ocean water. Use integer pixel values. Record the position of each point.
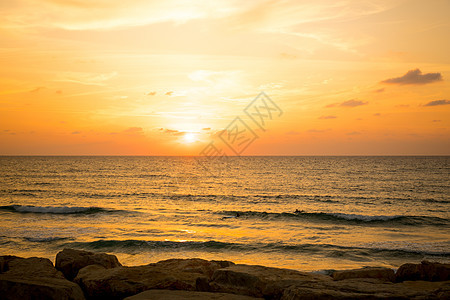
(305, 213)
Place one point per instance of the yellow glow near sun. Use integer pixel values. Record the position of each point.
(189, 137)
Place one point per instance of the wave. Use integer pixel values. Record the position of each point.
(313, 249)
(344, 218)
(45, 239)
(55, 209)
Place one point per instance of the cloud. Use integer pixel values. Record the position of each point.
(354, 133)
(349, 103)
(327, 117)
(318, 130)
(206, 128)
(377, 114)
(353, 103)
(169, 93)
(59, 92)
(86, 78)
(288, 56)
(106, 14)
(438, 102)
(134, 131)
(172, 131)
(379, 91)
(76, 132)
(151, 94)
(35, 90)
(414, 77)
(293, 133)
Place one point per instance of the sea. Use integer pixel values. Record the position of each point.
(311, 213)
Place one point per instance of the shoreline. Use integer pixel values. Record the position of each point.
(79, 274)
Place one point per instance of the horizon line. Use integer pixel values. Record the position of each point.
(265, 155)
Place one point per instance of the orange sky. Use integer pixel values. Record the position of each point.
(138, 77)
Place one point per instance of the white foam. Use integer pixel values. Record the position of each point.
(363, 217)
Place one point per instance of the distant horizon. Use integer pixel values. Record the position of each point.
(306, 155)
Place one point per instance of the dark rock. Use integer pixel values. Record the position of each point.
(70, 261)
(180, 295)
(193, 265)
(383, 274)
(428, 271)
(259, 281)
(365, 288)
(4, 260)
(116, 283)
(34, 278)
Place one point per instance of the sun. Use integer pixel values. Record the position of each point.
(189, 137)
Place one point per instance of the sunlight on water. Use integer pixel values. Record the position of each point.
(307, 213)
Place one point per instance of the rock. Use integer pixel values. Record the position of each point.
(180, 295)
(383, 274)
(4, 260)
(428, 271)
(98, 282)
(34, 278)
(70, 261)
(297, 293)
(194, 265)
(259, 281)
(273, 283)
(366, 288)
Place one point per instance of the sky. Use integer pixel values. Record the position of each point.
(139, 77)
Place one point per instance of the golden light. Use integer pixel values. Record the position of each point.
(189, 137)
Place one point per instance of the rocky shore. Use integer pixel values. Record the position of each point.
(81, 274)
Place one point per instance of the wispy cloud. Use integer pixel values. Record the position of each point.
(85, 14)
(414, 77)
(37, 89)
(292, 132)
(354, 133)
(438, 102)
(86, 78)
(327, 117)
(134, 131)
(172, 131)
(318, 130)
(349, 103)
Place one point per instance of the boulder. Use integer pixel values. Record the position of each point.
(4, 261)
(273, 283)
(98, 282)
(428, 271)
(34, 278)
(194, 265)
(70, 261)
(383, 274)
(181, 295)
(366, 288)
(259, 281)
